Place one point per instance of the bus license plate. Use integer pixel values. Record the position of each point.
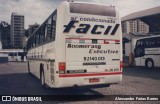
(94, 80)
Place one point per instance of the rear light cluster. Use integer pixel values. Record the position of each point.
(62, 67)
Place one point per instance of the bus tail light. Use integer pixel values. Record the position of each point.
(121, 65)
(62, 67)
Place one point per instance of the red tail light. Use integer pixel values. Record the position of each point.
(62, 67)
(121, 65)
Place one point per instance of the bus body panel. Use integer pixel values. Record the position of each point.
(105, 68)
(86, 59)
(85, 81)
(74, 57)
(140, 61)
(44, 55)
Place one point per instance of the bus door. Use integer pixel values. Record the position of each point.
(139, 52)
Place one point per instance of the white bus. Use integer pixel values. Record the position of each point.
(14, 55)
(79, 44)
(147, 52)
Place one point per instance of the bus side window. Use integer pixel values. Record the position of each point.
(153, 42)
(158, 42)
(54, 26)
(48, 29)
(30, 43)
(10, 54)
(34, 40)
(39, 33)
(142, 43)
(147, 43)
(37, 38)
(138, 43)
(150, 43)
(42, 33)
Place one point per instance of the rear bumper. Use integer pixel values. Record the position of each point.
(96, 86)
(104, 81)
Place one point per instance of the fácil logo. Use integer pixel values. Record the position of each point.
(84, 28)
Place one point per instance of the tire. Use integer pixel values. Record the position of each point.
(149, 63)
(42, 78)
(29, 68)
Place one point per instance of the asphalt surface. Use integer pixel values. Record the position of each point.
(15, 80)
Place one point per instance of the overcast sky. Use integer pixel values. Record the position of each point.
(38, 10)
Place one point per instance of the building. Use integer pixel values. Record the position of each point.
(148, 17)
(5, 34)
(29, 31)
(135, 26)
(32, 28)
(129, 42)
(132, 30)
(17, 30)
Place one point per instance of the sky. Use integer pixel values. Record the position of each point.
(36, 11)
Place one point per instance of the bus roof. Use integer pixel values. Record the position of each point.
(149, 37)
(110, 11)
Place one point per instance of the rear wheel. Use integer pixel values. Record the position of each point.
(42, 77)
(29, 68)
(149, 63)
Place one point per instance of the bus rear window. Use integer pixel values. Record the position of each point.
(92, 9)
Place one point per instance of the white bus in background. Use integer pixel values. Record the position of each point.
(147, 52)
(3, 58)
(77, 45)
(14, 55)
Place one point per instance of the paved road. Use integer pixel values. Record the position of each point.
(14, 80)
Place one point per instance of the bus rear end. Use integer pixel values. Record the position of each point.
(93, 46)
